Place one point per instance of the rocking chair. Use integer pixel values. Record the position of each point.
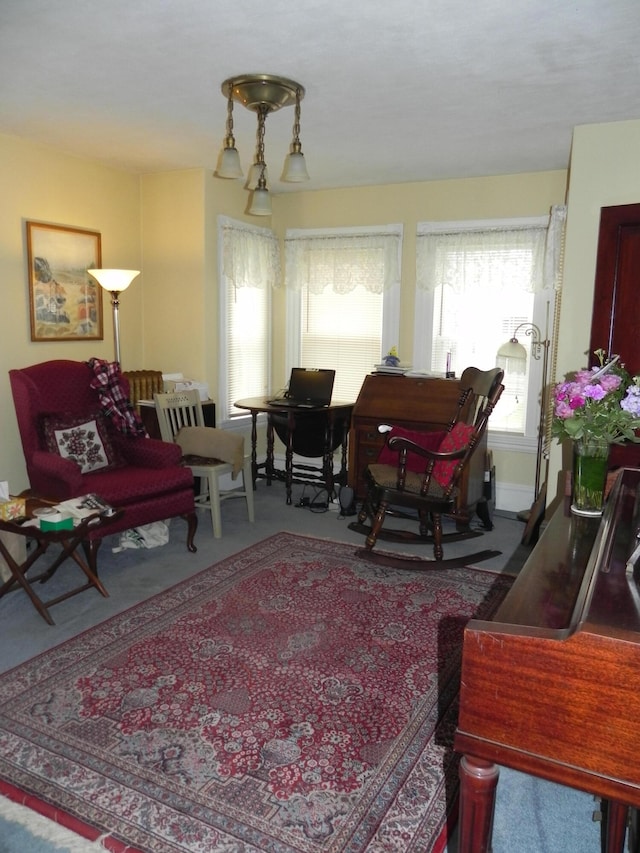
(426, 475)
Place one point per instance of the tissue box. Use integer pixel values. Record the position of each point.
(12, 508)
(56, 521)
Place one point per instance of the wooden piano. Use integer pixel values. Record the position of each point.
(551, 686)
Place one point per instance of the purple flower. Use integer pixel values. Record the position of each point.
(606, 406)
(563, 410)
(595, 392)
(610, 382)
(631, 402)
(577, 401)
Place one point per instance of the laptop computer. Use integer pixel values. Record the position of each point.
(309, 388)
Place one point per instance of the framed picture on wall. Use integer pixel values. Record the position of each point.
(64, 300)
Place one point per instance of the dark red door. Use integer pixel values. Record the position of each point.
(615, 324)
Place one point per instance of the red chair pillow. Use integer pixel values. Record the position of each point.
(454, 440)
(416, 463)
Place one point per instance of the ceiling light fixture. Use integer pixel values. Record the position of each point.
(264, 94)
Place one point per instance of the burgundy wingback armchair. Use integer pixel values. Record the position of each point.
(144, 476)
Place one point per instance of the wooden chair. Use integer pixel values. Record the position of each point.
(426, 474)
(209, 452)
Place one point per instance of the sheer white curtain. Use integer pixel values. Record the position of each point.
(476, 283)
(342, 300)
(249, 269)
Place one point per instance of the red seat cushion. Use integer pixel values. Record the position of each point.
(416, 463)
(127, 486)
(454, 440)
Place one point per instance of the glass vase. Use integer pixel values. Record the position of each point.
(590, 465)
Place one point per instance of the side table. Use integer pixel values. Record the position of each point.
(67, 539)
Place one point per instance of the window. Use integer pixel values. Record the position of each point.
(249, 268)
(342, 300)
(476, 283)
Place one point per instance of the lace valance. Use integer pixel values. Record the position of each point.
(525, 255)
(343, 261)
(250, 256)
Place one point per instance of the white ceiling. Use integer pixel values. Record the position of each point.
(409, 90)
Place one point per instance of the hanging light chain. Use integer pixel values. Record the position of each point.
(229, 141)
(296, 145)
(263, 112)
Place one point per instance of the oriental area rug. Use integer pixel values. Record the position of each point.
(293, 698)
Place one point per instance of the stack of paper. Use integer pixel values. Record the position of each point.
(387, 368)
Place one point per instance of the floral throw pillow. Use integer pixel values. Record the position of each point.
(82, 438)
(454, 440)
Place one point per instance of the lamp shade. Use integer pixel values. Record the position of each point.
(114, 281)
(229, 164)
(512, 357)
(257, 171)
(295, 168)
(260, 203)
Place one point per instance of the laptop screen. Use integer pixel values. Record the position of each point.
(309, 385)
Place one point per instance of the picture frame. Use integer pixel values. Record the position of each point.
(65, 302)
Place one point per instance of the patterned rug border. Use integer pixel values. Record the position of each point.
(118, 629)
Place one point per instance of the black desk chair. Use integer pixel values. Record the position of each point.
(313, 435)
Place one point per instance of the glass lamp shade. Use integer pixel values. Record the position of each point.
(114, 280)
(255, 173)
(229, 164)
(260, 203)
(295, 168)
(512, 357)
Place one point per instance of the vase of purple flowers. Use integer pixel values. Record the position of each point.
(594, 409)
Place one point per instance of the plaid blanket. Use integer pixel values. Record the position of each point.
(115, 404)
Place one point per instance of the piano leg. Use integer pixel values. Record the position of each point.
(478, 782)
(634, 833)
(616, 827)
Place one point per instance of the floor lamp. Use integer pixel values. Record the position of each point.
(115, 281)
(512, 357)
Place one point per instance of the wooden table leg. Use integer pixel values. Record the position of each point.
(478, 782)
(69, 544)
(18, 575)
(616, 827)
(291, 425)
(254, 444)
(327, 460)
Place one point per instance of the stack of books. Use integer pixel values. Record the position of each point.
(399, 369)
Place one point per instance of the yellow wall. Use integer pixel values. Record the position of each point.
(173, 259)
(44, 185)
(605, 171)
